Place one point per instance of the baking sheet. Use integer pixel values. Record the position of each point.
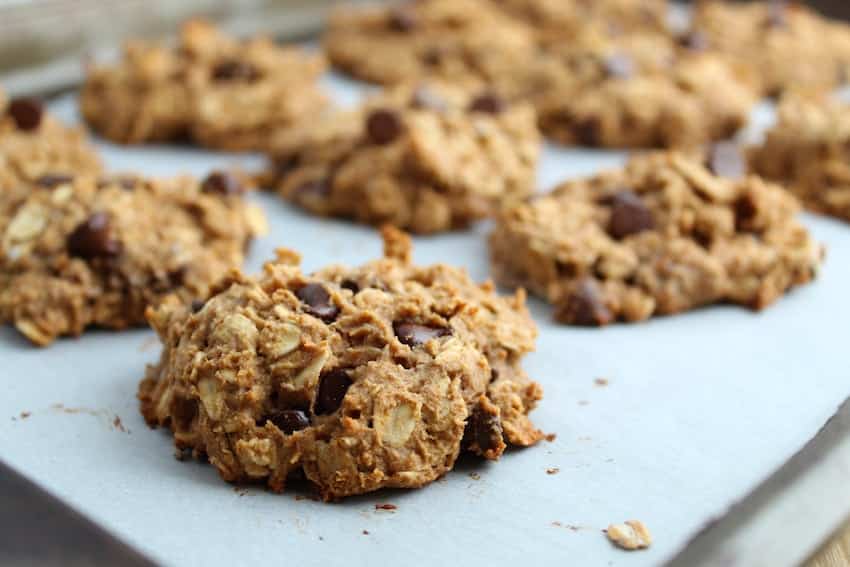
(699, 409)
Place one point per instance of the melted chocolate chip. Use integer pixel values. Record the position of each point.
(619, 66)
(291, 420)
(317, 302)
(221, 183)
(488, 102)
(727, 160)
(93, 238)
(585, 307)
(197, 305)
(235, 71)
(484, 429)
(383, 126)
(628, 215)
(746, 210)
(26, 112)
(402, 20)
(332, 389)
(52, 180)
(414, 334)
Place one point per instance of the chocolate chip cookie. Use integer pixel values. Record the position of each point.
(809, 151)
(789, 46)
(457, 40)
(35, 146)
(663, 235)
(426, 158)
(216, 90)
(80, 252)
(639, 91)
(354, 378)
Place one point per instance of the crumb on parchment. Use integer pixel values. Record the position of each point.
(630, 535)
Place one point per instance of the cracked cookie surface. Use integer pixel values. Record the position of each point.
(86, 251)
(216, 90)
(661, 236)
(808, 150)
(34, 144)
(358, 378)
(788, 45)
(427, 158)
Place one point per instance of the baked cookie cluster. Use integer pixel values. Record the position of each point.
(356, 378)
(215, 90)
(809, 151)
(426, 158)
(665, 234)
(96, 251)
(35, 147)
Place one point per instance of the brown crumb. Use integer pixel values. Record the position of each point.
(557, 524)
(553, 470)
(474, 476)
(601, 381)
(550, 437)
(365, 532)
(25, 414)
(386, 507)
(116, 423)
(630, 535)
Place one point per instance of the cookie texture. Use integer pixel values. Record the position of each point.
(354, 378)
(86, 251)
(457, 40)
(808, 150)
(215, 90)
(788, 45)
(34, 145)
(660, 236)
(426, 158)
(638, 91)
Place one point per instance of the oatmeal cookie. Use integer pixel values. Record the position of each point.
(663, 235)
(79, 252)
(356, 378)
(639, 91)
(457, 40)
(216, 90)
(808, 150)
(427, 158)
(34, 144)
(789, 46)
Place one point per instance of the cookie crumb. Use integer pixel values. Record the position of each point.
(631, 535)
(600, 381)
(25, 414)
(550, 437)
(386, 507)
(553, 470)
(557, 524)
(474, 476)
(117, 424)
(365, 532)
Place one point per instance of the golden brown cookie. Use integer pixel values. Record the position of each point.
(358, 378)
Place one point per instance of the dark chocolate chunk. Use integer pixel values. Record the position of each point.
(222, 183)
(317, 302)
(414, 334)
(484, 429)
(628, 215)
(488, 102)
(585, 307)
(402, 19)
(235, 71)
(93, 238)
(350, 285)
(26, 112)
(333, 386)
(383, 126)
(291, 420)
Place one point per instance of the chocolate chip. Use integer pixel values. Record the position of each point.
(318, 302)
(727, 160)
(177, 276)
(746, 210)
(93, 238)
(221, 183)
(433, 56)
(484, 429)
(694, 40)
(235, 71)
(332, 389)
(619, 66)
(351, 286)
(426, 99)
(26, 112)
(628, 215)
(402, 20)
(291, 420)
(183, 412)
(585, 307)
(587, 131)
(52, 180)
(197, 305)
(488, 102)
(383, 126)
(414, 334)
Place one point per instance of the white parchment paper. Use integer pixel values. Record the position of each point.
(699, 409)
